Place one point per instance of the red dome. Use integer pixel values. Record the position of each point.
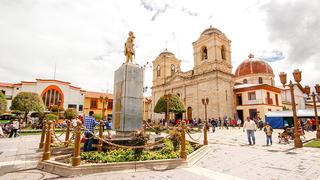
(253, 66)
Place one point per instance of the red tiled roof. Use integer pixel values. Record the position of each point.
(253, 66)
(3, 84)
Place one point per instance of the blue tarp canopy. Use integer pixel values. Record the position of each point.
(275, 122)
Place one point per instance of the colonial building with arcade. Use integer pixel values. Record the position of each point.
(52, 92)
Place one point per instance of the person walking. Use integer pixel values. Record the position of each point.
(239, 123)
(220, 123)
(108, 125)
(260, 123)
(251, 127)
(1, 131)
(233, 122)
(89, 122)
(14, 128)
(226, 122)
(268, 130)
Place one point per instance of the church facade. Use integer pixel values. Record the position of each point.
(211, 77)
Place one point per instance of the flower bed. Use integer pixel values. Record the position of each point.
(120, 155)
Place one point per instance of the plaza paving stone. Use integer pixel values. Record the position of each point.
(229, 157)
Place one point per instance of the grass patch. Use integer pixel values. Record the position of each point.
(313, 143)
(29, 133)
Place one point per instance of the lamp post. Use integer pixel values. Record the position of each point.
(314, 96)
(103, 100)
(297, 77)
(167, 99)
(144, 103)
(59, 104)
(205, 102)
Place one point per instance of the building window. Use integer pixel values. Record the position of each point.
(226, 95)
(158, 70)
(52, 95)
(173, 69)
(223, 53)
(253, 113)
(94, 104)
(204, 53)
(245, 81)
(251, 95)
(277, 100)
(110, 104)
(80, 107)
(73, 106)
(260, 80)
(272, 82)
(17, 88)
(239, 99)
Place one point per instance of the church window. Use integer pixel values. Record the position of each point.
(260, 80)
(204, 53)
(245, 81)
(52, 95)
(158, 70)
(226, 95)
(173, 69)
(178, 94)
(223, 53)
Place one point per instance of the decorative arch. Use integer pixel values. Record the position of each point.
(223, 52)
(158, 71)
(52, 95)
(204, 53)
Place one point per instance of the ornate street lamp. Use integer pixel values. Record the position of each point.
(103, 100)
(167, 98)
(205, 102)
(314, 96)
(297, 77)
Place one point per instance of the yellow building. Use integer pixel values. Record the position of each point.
(98, 102)
(255, 92)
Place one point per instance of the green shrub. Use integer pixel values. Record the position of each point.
(3, 103)
(140, 138)
(55, 108)
(70, 113)
(175, 138)
(167, 146)
(97, 116)
(51, 117)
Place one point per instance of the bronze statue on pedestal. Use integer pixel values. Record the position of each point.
(129, 47)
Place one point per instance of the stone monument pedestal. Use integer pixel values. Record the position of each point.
(128, 100)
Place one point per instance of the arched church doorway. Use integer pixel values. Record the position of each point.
(189, 113)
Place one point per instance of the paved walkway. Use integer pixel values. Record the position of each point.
(229, 158)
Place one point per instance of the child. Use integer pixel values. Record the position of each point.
(268, 130)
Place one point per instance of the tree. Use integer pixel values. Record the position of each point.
(3, 103)
(70, 113)
(174, 104)
(26, 102)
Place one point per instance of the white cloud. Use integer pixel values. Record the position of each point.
(85, 38)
